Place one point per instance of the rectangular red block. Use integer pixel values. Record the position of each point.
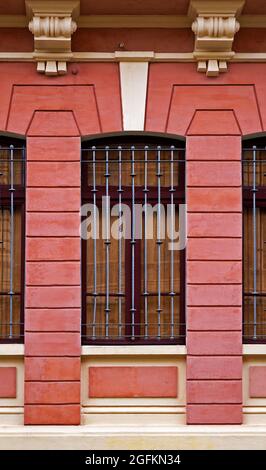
(52, 344)
(214, 272)
(52, 319)
(53, 174)
(216, 174)
(52, 368)
(214, 199)
(132, 382)
(214, 249)
(202, 368)
(52, 414)
(53, 249)
(53, 297)
(51, 393)
(214, 391)
(210, 343)
(8, 382)
(53, 199)
(214, 295)
(214, 318)
(214, 225)
(214, 414)
(53, 149)
(257, 382)
(59, 224)
(51, 273)
(216, 148)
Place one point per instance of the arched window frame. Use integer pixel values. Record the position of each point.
(128, 140)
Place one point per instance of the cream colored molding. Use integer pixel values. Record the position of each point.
(145, 350)
(133, 79)
(52, 24)
(215, 25)
(11, 350)
(254, 349)
(183, 57)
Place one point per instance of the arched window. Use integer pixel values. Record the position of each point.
(12, 197)
(133, 268)
(254, 266)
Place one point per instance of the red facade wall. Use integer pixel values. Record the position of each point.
(54, 113)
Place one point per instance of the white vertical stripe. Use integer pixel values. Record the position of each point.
(133, 78)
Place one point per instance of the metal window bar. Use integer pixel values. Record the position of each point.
(134, 174)
(12, 180)
(254, 190)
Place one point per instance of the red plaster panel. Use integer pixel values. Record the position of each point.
(218, 343)
(214, 295)
(178, 102)
(214, 368)
(53, 149)
(214, 391)
(214, 249)
(214, 272)
(52, 393)
(214, 225)
(52, 344)
(59, 319)
(53, 249)
(53, 123)
(129, 382)
(8, 382)
(46, 320)
(52, 414)
(214, 318)
(53, 174)
(52, 368)
(53, 199)
(53, 297)
(257, 382)
(53, 273)
(213, 174)
(57, 224)
(214, 199)
(214, 414)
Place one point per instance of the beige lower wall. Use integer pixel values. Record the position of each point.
(134, 411)
(12, 409)
(254, 409)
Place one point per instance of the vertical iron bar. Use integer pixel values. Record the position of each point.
(145, 190)
(254, 190)
(133, 242)
(94, 190)
(172, 293)
(159, 241)
(120, 293)
(11, 189)
(107, 244)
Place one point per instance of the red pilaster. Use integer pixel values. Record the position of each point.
(214, 269)
(53, 297)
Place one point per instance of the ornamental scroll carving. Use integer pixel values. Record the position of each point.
(52, 24)
(215, 25)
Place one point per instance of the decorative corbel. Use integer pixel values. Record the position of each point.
(215, 25)
(52, 24)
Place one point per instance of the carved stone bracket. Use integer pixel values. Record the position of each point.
(215, 25)
(52, 24)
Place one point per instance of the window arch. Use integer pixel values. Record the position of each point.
(133, 284)
(12, 209)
